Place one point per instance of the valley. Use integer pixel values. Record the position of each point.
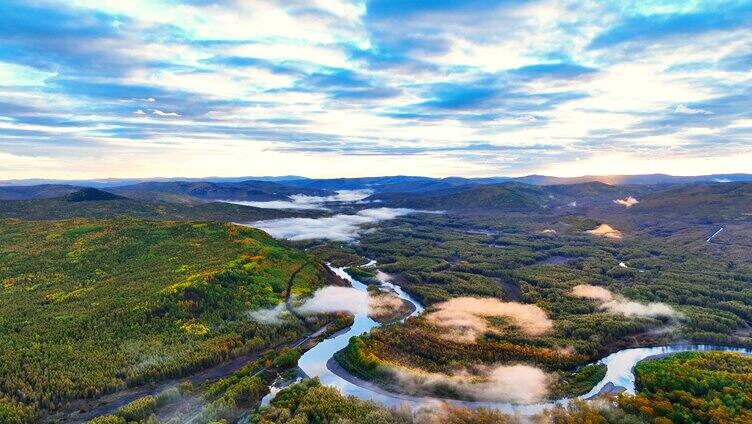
(503, 282)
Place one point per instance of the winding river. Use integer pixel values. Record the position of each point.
(319, 362)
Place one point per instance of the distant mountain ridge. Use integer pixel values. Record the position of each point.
(396, 182)
(243, 190)
(408, 191)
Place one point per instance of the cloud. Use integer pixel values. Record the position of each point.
(465, 317)
(338, 227)
(161, 113)
(620, 305)
(519, 384)
(337, 299)
(384, 304)
(302, 201)
(268, 316)
(689, 111)
(628, 201)
(466, 88)
(333, 299)
(139, 112)
(652, 28)
(553, 70)
(605, 230)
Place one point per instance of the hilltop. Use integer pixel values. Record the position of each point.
(90, 195)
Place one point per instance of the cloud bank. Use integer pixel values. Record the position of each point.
(305, 202)
(340, 227)
(465, 317)
(620, 305)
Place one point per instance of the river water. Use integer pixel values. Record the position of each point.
(314, 364)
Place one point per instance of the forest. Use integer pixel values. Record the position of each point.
(693, 388)
(92, 306)
(438, 258)
(143, 295)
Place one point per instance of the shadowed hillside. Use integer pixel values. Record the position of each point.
(91, 195)
(244, 190)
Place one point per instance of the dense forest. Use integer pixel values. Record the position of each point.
(97, 301)
(93, 306)
(98, 204)
(693, 388)
(441, 257)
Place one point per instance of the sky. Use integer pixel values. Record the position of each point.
(330, 88)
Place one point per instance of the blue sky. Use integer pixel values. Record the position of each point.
(324, 88)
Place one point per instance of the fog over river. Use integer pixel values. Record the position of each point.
(319, 362)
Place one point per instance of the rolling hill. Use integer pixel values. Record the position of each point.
(41, 191)
(244, 190)
(703, 202)
(507, 197)
(90, 306)
(64, 208)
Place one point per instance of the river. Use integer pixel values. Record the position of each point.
(319, 362)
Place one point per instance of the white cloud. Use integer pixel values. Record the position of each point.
(689, 111)
(609, 127)
(139, 112)
(338, 227)
(268, 316)
(161, 113)
(20, 75)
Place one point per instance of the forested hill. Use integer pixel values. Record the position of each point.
(92, 305)
(244, 190)
(41, 191)
(118, 206)
(731, 201)
(518, 197)
(510, 196)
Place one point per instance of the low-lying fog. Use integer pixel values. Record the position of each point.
(340, 227)
(620, 305)
(302, 201)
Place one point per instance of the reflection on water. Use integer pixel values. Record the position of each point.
(313, 362)
(619, 372)
(620, 364)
